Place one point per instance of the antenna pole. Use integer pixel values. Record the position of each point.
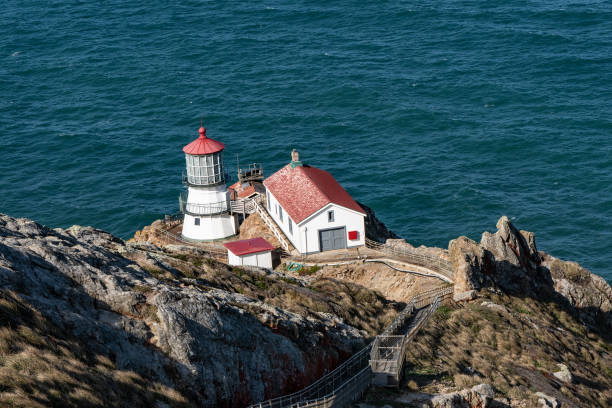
(238, 167)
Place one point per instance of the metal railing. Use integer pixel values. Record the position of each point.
(214, 251)
(202, 209)
(253, 171)
(352, 378)
(389, 350)
(387, 354)
(414, 256)
(324, 387)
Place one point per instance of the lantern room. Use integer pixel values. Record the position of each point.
(204, 161)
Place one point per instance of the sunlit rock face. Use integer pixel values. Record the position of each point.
(509, 260)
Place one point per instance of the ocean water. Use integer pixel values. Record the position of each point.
(440, 115)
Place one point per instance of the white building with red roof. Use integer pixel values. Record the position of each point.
(206, 204)
(254, 252)
(312, 209)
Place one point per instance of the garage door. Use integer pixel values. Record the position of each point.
(333, 239)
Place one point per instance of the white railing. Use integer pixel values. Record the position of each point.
(272, 225)
(245, 206)
(202, 209)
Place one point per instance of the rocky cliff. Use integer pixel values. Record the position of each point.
(529, 330)
(534, 329)
(509, 260)
(89, 320)
(218, 336)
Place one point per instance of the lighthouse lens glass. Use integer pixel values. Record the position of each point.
(203, 170)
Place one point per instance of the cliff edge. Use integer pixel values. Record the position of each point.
(205, 333)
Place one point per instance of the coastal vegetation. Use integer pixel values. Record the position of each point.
(87, 318)
(513, 343)
(42, 365)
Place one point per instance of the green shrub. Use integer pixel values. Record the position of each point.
(310, 271)
(442, 313)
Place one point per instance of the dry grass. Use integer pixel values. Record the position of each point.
(40, 366)
(358, 306)
(515, 351)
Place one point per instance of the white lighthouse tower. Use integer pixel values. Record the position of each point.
(206, 205)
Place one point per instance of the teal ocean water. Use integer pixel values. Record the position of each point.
(440, 115)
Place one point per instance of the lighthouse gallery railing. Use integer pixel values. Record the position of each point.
(203, 209)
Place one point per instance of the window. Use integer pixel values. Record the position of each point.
(290, 225)
(280, 213)
(196, 221)
(205, 169)
(330, 216)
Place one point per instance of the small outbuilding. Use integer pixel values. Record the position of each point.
(253, 252)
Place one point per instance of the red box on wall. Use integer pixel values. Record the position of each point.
(353, 235)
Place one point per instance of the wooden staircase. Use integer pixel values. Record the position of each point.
(263, 213)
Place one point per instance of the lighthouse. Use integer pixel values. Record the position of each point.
(206, 205)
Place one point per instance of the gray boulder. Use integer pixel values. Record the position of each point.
(564, 374)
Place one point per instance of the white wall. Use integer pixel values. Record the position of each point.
(310, 227)
(284, 224)
(208, 195)
(261, 259)
(211, 227)
(305, 237)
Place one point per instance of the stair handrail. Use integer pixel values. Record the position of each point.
(272, 225)
(301, 397)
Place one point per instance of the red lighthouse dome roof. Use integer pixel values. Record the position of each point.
(203, 145)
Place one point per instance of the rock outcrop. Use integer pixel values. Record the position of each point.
(546, 401)
(217, 347)
(479, 396)
(472, 265)
(590, 294)
(564, 374)
(509, 260)
(375, 229)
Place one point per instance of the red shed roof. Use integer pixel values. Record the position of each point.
(303, 190)
(203, 145)
(248, 246)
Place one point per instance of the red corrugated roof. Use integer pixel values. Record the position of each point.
(239, 191)
(303, 190)
(248, 246)
(203, 145)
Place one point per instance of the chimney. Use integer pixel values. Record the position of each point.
(295, 159)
